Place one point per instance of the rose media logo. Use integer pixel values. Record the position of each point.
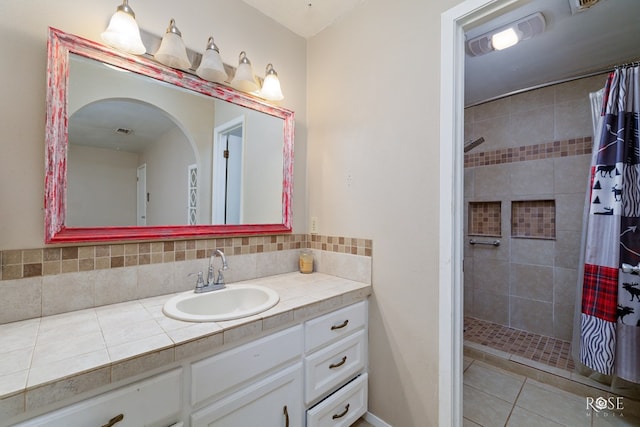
(605, 406)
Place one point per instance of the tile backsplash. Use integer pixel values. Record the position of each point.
(46, 281)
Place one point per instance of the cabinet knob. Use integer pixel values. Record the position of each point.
(114, 420)
(340, 326)
(341, 414)
(286, 416)
(340, 363)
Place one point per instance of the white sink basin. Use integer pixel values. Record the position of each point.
(232, 302)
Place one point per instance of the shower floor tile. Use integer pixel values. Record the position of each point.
(539, 348)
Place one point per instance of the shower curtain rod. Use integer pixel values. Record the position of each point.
(628, 64)
(555, 82)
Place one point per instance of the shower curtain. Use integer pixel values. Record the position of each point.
(609, 317)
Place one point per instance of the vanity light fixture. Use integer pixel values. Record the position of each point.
(123, 32)
(244, 79)
(172, 51)
(271, 85)
(211, 66)
(508, 35)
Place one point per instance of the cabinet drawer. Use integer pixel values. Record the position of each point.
(272, 402)
(335, 325)
(156, 401)
(342, 408)
(328, 368)
(225, 372)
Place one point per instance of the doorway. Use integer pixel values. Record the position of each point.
(452, 40)
(228, 163)
(141, 194)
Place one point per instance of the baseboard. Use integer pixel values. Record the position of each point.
(375, 421)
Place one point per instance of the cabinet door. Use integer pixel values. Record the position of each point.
(272, 402)
(153, 402)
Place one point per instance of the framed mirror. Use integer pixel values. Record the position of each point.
(139, 151)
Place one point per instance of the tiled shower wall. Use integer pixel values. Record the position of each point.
(537, 148)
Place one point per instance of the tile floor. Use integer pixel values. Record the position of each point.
(495, 397)
(539, 348)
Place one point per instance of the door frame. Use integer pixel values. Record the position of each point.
(141, 195)
(217, 177)
(450, 299)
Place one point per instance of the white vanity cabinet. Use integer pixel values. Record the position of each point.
(156, 401)
(313, 374)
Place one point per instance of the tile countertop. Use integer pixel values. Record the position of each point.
(52, 358)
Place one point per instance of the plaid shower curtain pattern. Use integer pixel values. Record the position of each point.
(610, 312)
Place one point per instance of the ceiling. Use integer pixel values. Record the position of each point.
(118, 124)
(304, 17)
(572, 45)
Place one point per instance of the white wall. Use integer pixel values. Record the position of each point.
(168, 161)
(374, 87)
(23, 43)
(101, 187)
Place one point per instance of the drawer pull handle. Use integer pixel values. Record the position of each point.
(340, 363)
(340, 326)
(114, 420)
(286, 416)
(342, 414)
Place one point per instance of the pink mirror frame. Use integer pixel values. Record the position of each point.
(60, 45)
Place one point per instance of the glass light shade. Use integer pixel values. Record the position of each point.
(504, 39)
(123, 32)
(271, 85)
(172, 51)
(211, 67)
(244, 79)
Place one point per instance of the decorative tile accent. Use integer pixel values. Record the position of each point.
(549, 150)
(345, 245)
(550, 351)
(533, 219)
(19, 264)
(485, 219)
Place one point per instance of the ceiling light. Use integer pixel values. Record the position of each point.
(504, 39)
(172, 51)
(244, 79)
(271, 85)
(508, 35)
(211, 67)
(123, 32)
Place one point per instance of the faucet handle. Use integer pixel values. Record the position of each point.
(199, 281)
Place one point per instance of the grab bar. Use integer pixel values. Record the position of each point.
(495, 243)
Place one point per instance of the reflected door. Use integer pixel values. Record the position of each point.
(233, 186)
(141, 191)
(227, 174)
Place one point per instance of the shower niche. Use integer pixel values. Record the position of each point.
(533, 219)
(485, 219)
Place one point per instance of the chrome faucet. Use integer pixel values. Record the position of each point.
(213, 283)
